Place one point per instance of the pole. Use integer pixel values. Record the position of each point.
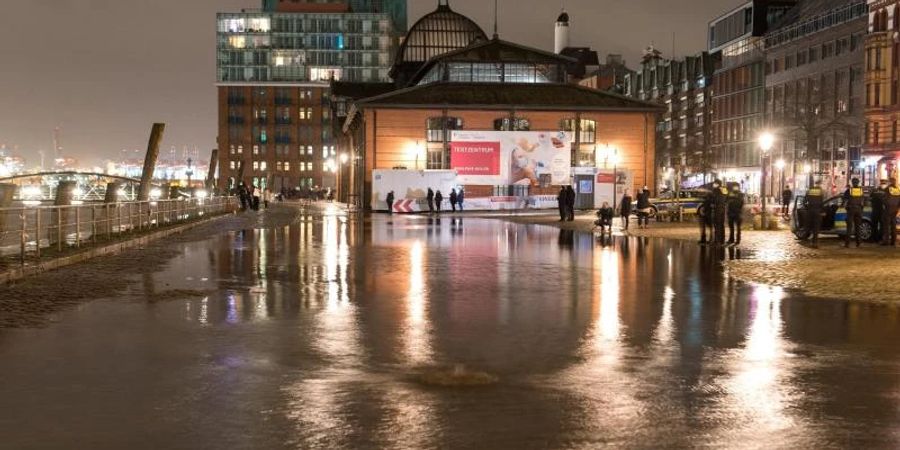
(150, 158)
(765, 219)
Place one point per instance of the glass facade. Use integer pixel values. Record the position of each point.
(495, 72)
(304, 47)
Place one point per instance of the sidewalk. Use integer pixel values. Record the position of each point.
(777, 258)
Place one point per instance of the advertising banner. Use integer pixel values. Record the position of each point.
(535, 158)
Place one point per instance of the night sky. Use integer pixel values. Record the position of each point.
(104, 70)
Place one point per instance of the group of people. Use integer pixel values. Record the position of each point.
(566, 203)
(436, 199)
(885, 206)
(720, 206)
(251, 197)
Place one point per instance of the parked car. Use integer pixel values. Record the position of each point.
(667, 203)
(834, 221)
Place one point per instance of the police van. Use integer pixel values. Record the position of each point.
(834, 219)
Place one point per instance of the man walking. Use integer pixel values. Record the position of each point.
(853, 202)
(787, 196)
(453, 199)
(704, 214)
(735, 214)
(430, 199)
(813, 205)
(570, 202)
(390, 202)
(891, 205)
(643, 207)
(438, 198)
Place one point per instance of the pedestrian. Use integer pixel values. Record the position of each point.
(735, 214)
(453, 199)
(720, 211)
(643, 207)
(889, 217)
(625, 209)
(562, 201)
(813, 205)
(459, 199)
(255, 197)
(787, 196)
(389, 200)
(243, 196)
(853, 202)
(704, 216)
(438, 198)
(267, 197)
(605, 218)
(877, 199)
(429, 198)
(570, 202)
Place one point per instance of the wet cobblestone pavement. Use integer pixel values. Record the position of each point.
(311, 329)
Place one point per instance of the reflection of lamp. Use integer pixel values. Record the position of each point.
(344, 158)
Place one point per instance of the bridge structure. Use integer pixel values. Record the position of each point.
(89, 186)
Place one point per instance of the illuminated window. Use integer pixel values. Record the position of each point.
(231, 149)
(325, 151)
(255, 165)
(262, 165)
(287, 166)
(588, 129)
(279, 166)
(233, 165)
(255, 149)
(324, 73)
(240, 149)
(516, 124)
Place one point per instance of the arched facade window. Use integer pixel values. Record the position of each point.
(437, 136)
(512, 124)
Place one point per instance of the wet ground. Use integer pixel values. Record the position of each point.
(315, 330)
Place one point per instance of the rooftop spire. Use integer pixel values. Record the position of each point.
(496, 28)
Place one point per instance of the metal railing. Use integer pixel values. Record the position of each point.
(28, 234)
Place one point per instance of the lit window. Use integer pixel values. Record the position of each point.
(255, 165)
(231, 149)
(279, 166)
(233, 165)
(325, 151)
(309, 150)
(240, 149)
(262, 165)
(287, 166)
(255, 149)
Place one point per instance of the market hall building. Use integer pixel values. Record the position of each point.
(492, 90)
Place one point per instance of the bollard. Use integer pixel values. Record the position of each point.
(65, 194)
(112, 192)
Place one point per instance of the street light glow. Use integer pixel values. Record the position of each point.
(766, 141)
(780, 164)
(344, 158)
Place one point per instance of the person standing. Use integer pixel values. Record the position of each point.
(720, 211)
(643, 206)
(625, 209)
(430, 199)
(787, 196)
(853, 202)
(570, 202)
(704, 215)
(460, 196)
(255, 197)
(267, 196)
(891, 205)
(735, 214)
(453, 198)
(562, 200)
(390, 202)
(813, 205)
(878, 210)
(438, 198)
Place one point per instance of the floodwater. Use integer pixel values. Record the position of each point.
(322, 333)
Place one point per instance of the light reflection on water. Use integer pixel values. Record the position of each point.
(629, 343)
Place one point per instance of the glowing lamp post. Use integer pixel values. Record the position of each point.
(766, 142)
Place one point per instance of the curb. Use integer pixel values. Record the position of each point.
(20, 273)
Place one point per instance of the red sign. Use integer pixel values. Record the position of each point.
(606, 178)
(475, 158)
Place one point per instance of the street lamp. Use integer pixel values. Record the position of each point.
(766, 142)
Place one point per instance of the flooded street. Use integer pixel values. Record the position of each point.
(324, 332)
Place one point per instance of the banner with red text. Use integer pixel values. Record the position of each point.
(535, 158)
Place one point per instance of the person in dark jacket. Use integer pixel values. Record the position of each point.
(787, 196)
(735, 214)
(460, 196)
(605, 218)
(438, 198)
(704, 216)
(889, 217)
(853, 201)
(878, 210)
(453, 199)
(813, 205)
(643, 207)
(562, 200)
(429, 198)
(625, 209)
(389, 200)
(720, 211)
(570, 202)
